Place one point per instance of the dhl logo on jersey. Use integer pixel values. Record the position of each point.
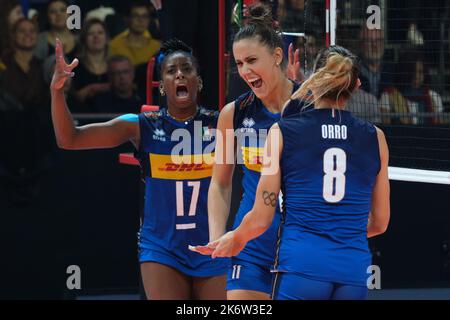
(186, 167)
(253, 158)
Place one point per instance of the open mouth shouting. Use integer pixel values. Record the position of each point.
(255, 83)
(182, 91)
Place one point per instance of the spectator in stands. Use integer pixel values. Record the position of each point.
(57, 19)
(10, 12)
(412, 94)
(23, 75)
(92, 77)
(122, 96)
(136, 42)
(309, 48)
(375, 74)
(365, 106)
(297, 16)
(291, 15)
(25, 130)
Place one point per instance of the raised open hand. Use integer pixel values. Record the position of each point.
(294, 72)
(62, 69)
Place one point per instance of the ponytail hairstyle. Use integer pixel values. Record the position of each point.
(260, 25)
(335, 76)
(173, 46)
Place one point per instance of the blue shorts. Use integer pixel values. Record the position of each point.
(202, 266)
(245, 275)
(293, 286)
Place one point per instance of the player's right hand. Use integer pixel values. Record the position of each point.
(294, 71)
(62, 69)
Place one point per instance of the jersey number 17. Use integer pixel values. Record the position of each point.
(180, 203)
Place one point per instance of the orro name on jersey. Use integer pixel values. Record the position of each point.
(334, 131)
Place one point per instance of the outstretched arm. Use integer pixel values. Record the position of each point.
(219, 194)
(259, 219)
(98, 135)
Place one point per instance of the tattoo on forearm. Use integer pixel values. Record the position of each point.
(270, 199)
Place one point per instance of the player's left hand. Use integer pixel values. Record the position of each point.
(204, 250)
(227, 246)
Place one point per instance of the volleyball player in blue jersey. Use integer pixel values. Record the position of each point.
(333, 171)
(257, 49)
(175, 210)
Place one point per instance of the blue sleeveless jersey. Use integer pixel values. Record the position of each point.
(176, 190)
(252, 122)
(329, 164)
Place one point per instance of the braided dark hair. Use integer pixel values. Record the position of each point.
(173, 46)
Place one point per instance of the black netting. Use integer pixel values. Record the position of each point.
(405, 59)
(405, 73)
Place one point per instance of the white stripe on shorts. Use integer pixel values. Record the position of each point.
(185, 226)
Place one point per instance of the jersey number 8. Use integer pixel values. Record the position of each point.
(334, 166)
